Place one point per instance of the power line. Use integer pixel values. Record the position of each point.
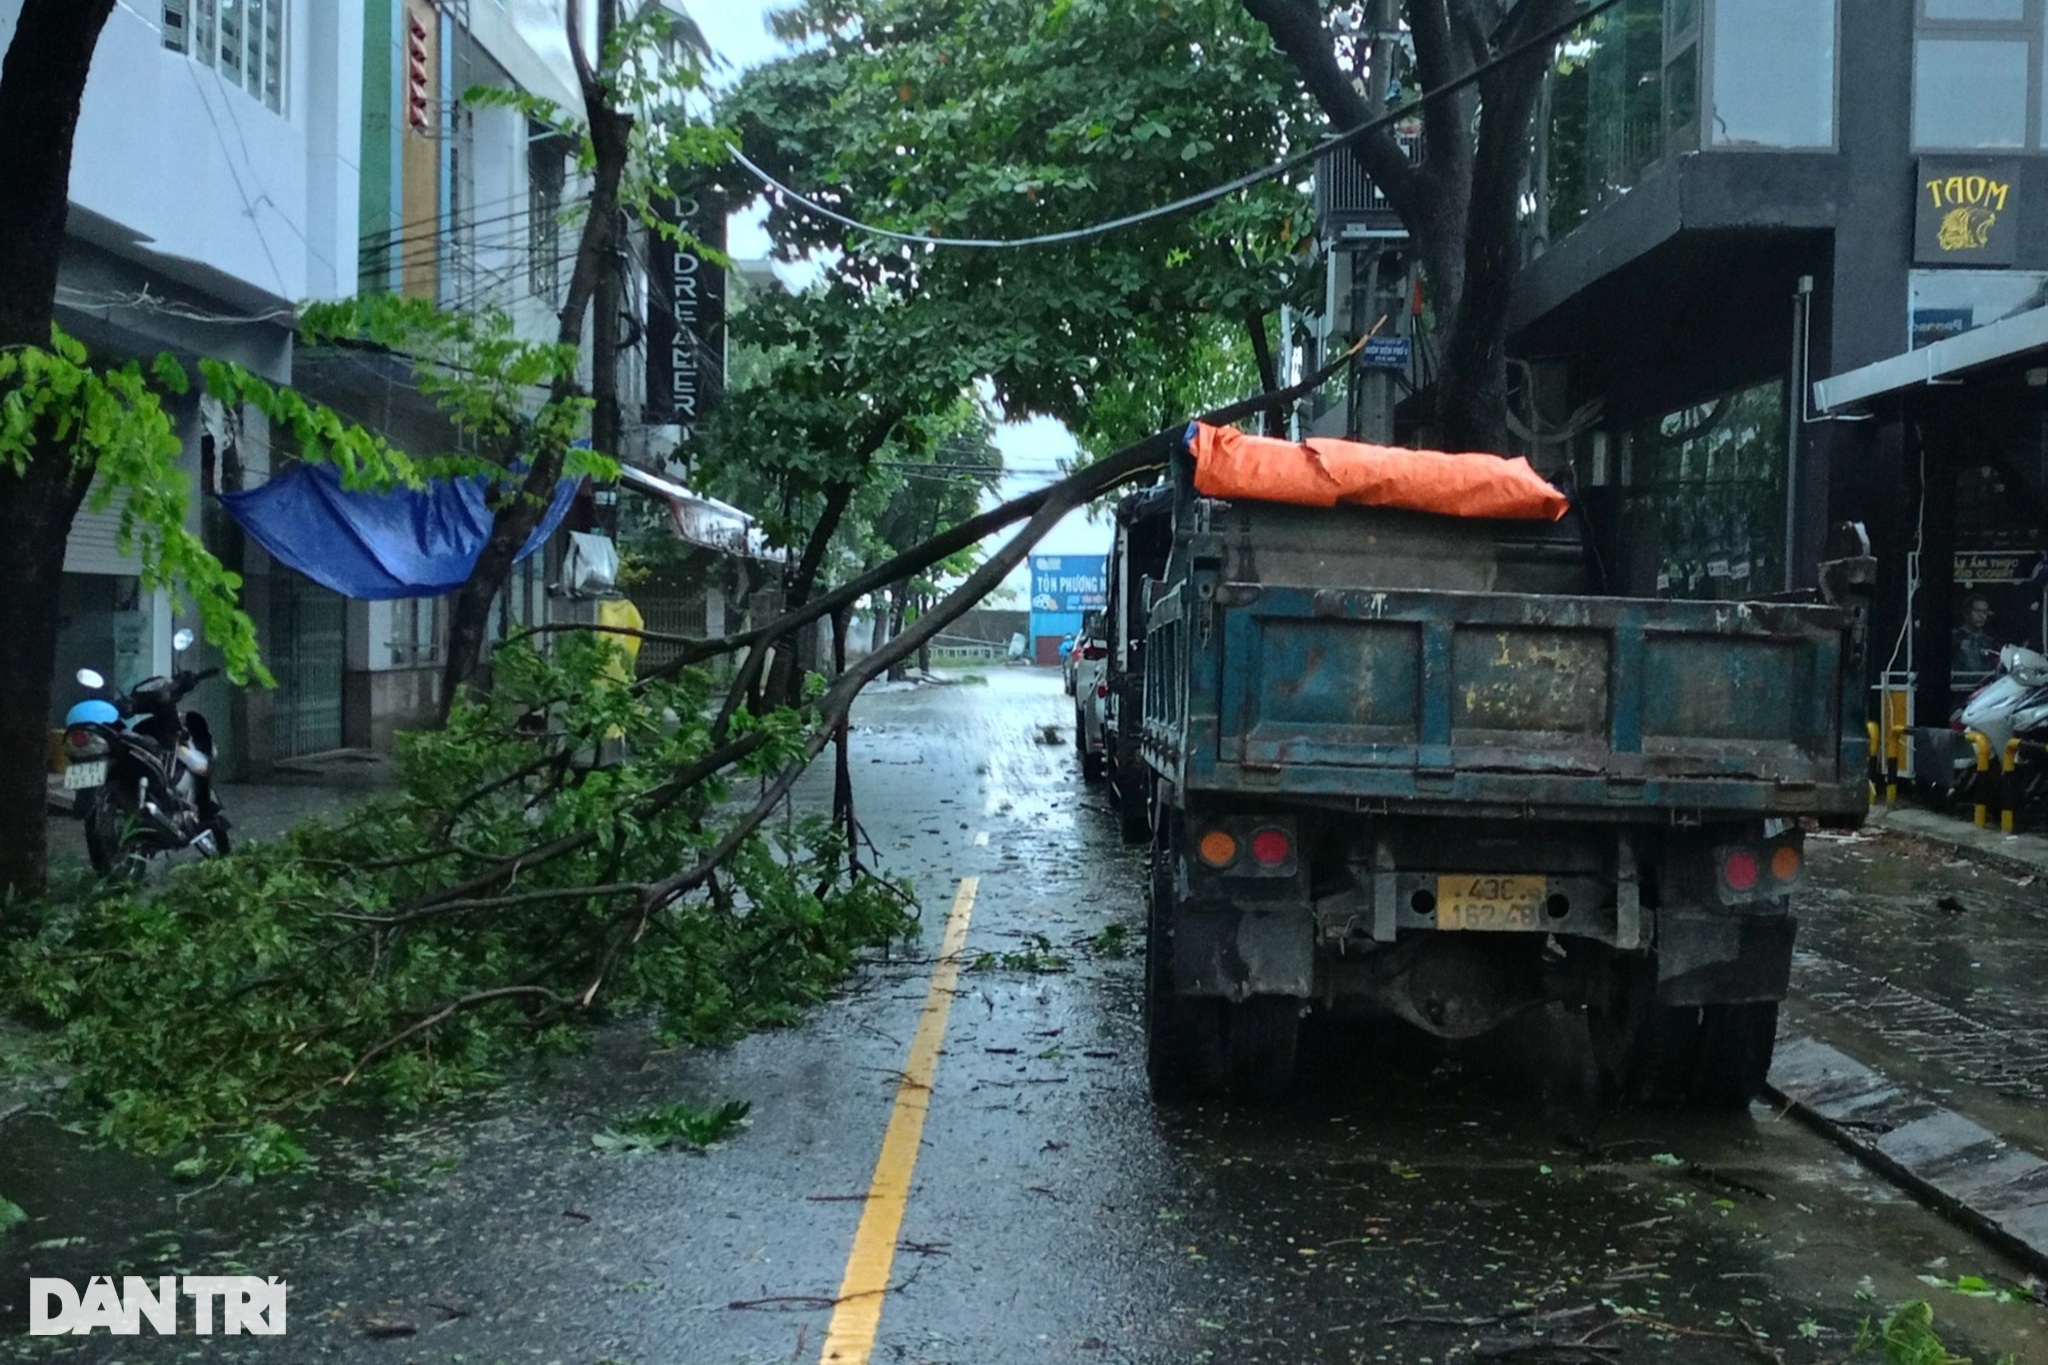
(1546, 38)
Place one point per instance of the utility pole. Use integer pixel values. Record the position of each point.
(607, 427)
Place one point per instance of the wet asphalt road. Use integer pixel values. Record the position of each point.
(1413, 1204)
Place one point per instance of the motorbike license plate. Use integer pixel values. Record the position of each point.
(1465, 901)
(79, 776)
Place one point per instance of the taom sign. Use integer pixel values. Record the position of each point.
(1966, 211)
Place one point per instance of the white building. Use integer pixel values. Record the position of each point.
(213, 186)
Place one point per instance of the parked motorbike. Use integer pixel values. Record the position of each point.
(142, 772)
(2013, 704)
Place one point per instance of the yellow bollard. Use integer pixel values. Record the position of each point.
(1982, 744)
(1894, 756)
(2009, 785)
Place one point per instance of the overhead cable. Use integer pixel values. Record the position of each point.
(1546, 38)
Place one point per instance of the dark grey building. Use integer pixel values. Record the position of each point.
(1765, 237)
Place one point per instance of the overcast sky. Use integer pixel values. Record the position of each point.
(738, 32)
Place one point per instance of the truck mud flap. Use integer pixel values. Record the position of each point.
(1708, 958)
(1238, 953)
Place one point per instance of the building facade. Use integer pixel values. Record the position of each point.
(1738, 200)
(213, 187)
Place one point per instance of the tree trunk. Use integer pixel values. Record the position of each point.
(1275, 417)
(1461, 204)
(899, 607)
(42, 84)
(36, 509)
(469, 618)
(1472, 387)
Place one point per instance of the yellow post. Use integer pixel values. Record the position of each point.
(1894, 759)
(1876, 757)
(1982, 744)
(2008, 784)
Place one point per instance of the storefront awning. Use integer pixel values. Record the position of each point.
(700, 520)
(2007, 339)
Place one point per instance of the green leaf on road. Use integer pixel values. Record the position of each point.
(10, 1213)
(670, 1124)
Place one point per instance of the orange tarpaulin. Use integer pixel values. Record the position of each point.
(1323, 473)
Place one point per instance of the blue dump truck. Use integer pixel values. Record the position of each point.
(1417, 765)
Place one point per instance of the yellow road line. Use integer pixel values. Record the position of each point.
(851, 1336)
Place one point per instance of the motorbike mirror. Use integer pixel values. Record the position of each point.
(88, 678)
(182, 641)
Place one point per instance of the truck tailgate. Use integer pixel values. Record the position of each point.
(1498, 698)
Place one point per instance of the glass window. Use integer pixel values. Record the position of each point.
(1946, 303)
(1774, 74)
(1970, 92)
(1704, 507)
(231, 40)
(273, 56)
(1999, 11)
(241, 39)
(202, 30)
(1682, 101)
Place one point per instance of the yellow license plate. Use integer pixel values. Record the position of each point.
(1466, 901)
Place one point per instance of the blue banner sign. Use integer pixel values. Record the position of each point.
(1069, 582)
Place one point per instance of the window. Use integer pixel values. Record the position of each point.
(2005, 11)
(546, 173)
(1703, 510)
(1977, 73)
(1681, 77)
(241, 39)
(415, 631)
(1969, 92)
(1773, 74)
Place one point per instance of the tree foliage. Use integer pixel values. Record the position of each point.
(1005, 118)
(347, 962)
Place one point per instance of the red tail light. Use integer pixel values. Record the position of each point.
(1740, 869)
(1102, 689)
(1270, 847)
(80, 738)
(1094, 652)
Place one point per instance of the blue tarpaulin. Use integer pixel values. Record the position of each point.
(404, 543)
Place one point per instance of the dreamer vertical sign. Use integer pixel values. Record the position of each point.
(686, 312)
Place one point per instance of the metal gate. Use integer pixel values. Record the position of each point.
(304, 648)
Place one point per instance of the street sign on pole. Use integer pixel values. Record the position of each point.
(1386, 353)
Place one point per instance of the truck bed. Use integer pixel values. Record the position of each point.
(1440, 701)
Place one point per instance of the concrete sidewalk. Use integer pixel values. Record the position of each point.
(2021, 854)
(1916, 1036)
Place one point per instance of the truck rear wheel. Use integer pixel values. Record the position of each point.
(1184, 1045)
(1712, 1057)
(1128, 787)
(1736, 1042)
